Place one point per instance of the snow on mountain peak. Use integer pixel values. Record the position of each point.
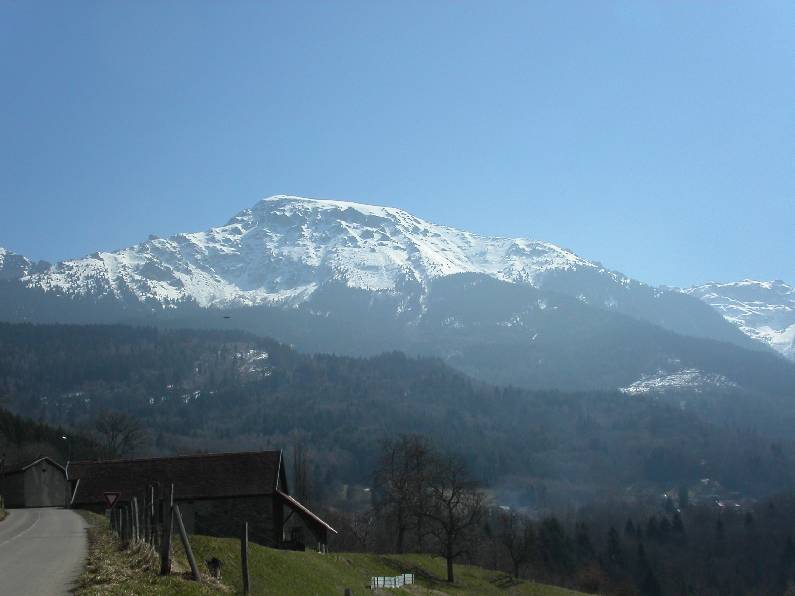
(290, 206)
(284, 247)
(764, 310)
(12, 265)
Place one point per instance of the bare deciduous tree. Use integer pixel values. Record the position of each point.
(515, 533)
(400, 476)
(456, 505)
(362, 526)
(118, 434)
(301, 473)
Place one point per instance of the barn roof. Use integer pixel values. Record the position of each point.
(23, 467)
(303, 511)
(200, 476)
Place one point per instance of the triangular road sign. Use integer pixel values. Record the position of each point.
(110, 498)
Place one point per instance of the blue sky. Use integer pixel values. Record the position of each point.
(657, 138)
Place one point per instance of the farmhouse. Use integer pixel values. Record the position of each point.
(216, 493)
(41, 483)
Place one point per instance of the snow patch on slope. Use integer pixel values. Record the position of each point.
(763, 310)
(689, 379)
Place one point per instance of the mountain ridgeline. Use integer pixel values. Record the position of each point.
(354, 279)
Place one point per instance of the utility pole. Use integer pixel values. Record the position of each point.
(68, 447)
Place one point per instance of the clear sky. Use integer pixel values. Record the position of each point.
(657, 138)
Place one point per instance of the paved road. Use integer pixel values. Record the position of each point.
(42, 551)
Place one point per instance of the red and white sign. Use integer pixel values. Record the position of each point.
(110, 498)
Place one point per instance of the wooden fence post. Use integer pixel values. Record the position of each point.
(155, 513)
(135, 529)
(145, 518)
(122, 524)
(128, 524)
(244, 560)
(151, 513)
(165, 546)
(148, 517)
(194, 570)
(161, 514)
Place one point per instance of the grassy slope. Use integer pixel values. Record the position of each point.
(287, 573)
(280, 573)
(112, 571)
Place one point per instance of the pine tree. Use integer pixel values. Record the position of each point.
(614, 554)
(556, 549)
(665, 528)
(585, 550)
(786, 564)
(652, 529)
(678, 526)
(669, 505)
(642, 561)
(720, 530)
(650, 586)
(684, 497)
(629, 528)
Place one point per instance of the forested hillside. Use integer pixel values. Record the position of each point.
(22, 440)
(213, 391)
(495, 331)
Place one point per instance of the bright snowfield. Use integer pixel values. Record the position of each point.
(761, 309)
(283, 248)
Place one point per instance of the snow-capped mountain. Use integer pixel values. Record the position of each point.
(359, 279)
(284, 248)
(763, 310)
(14, 266)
